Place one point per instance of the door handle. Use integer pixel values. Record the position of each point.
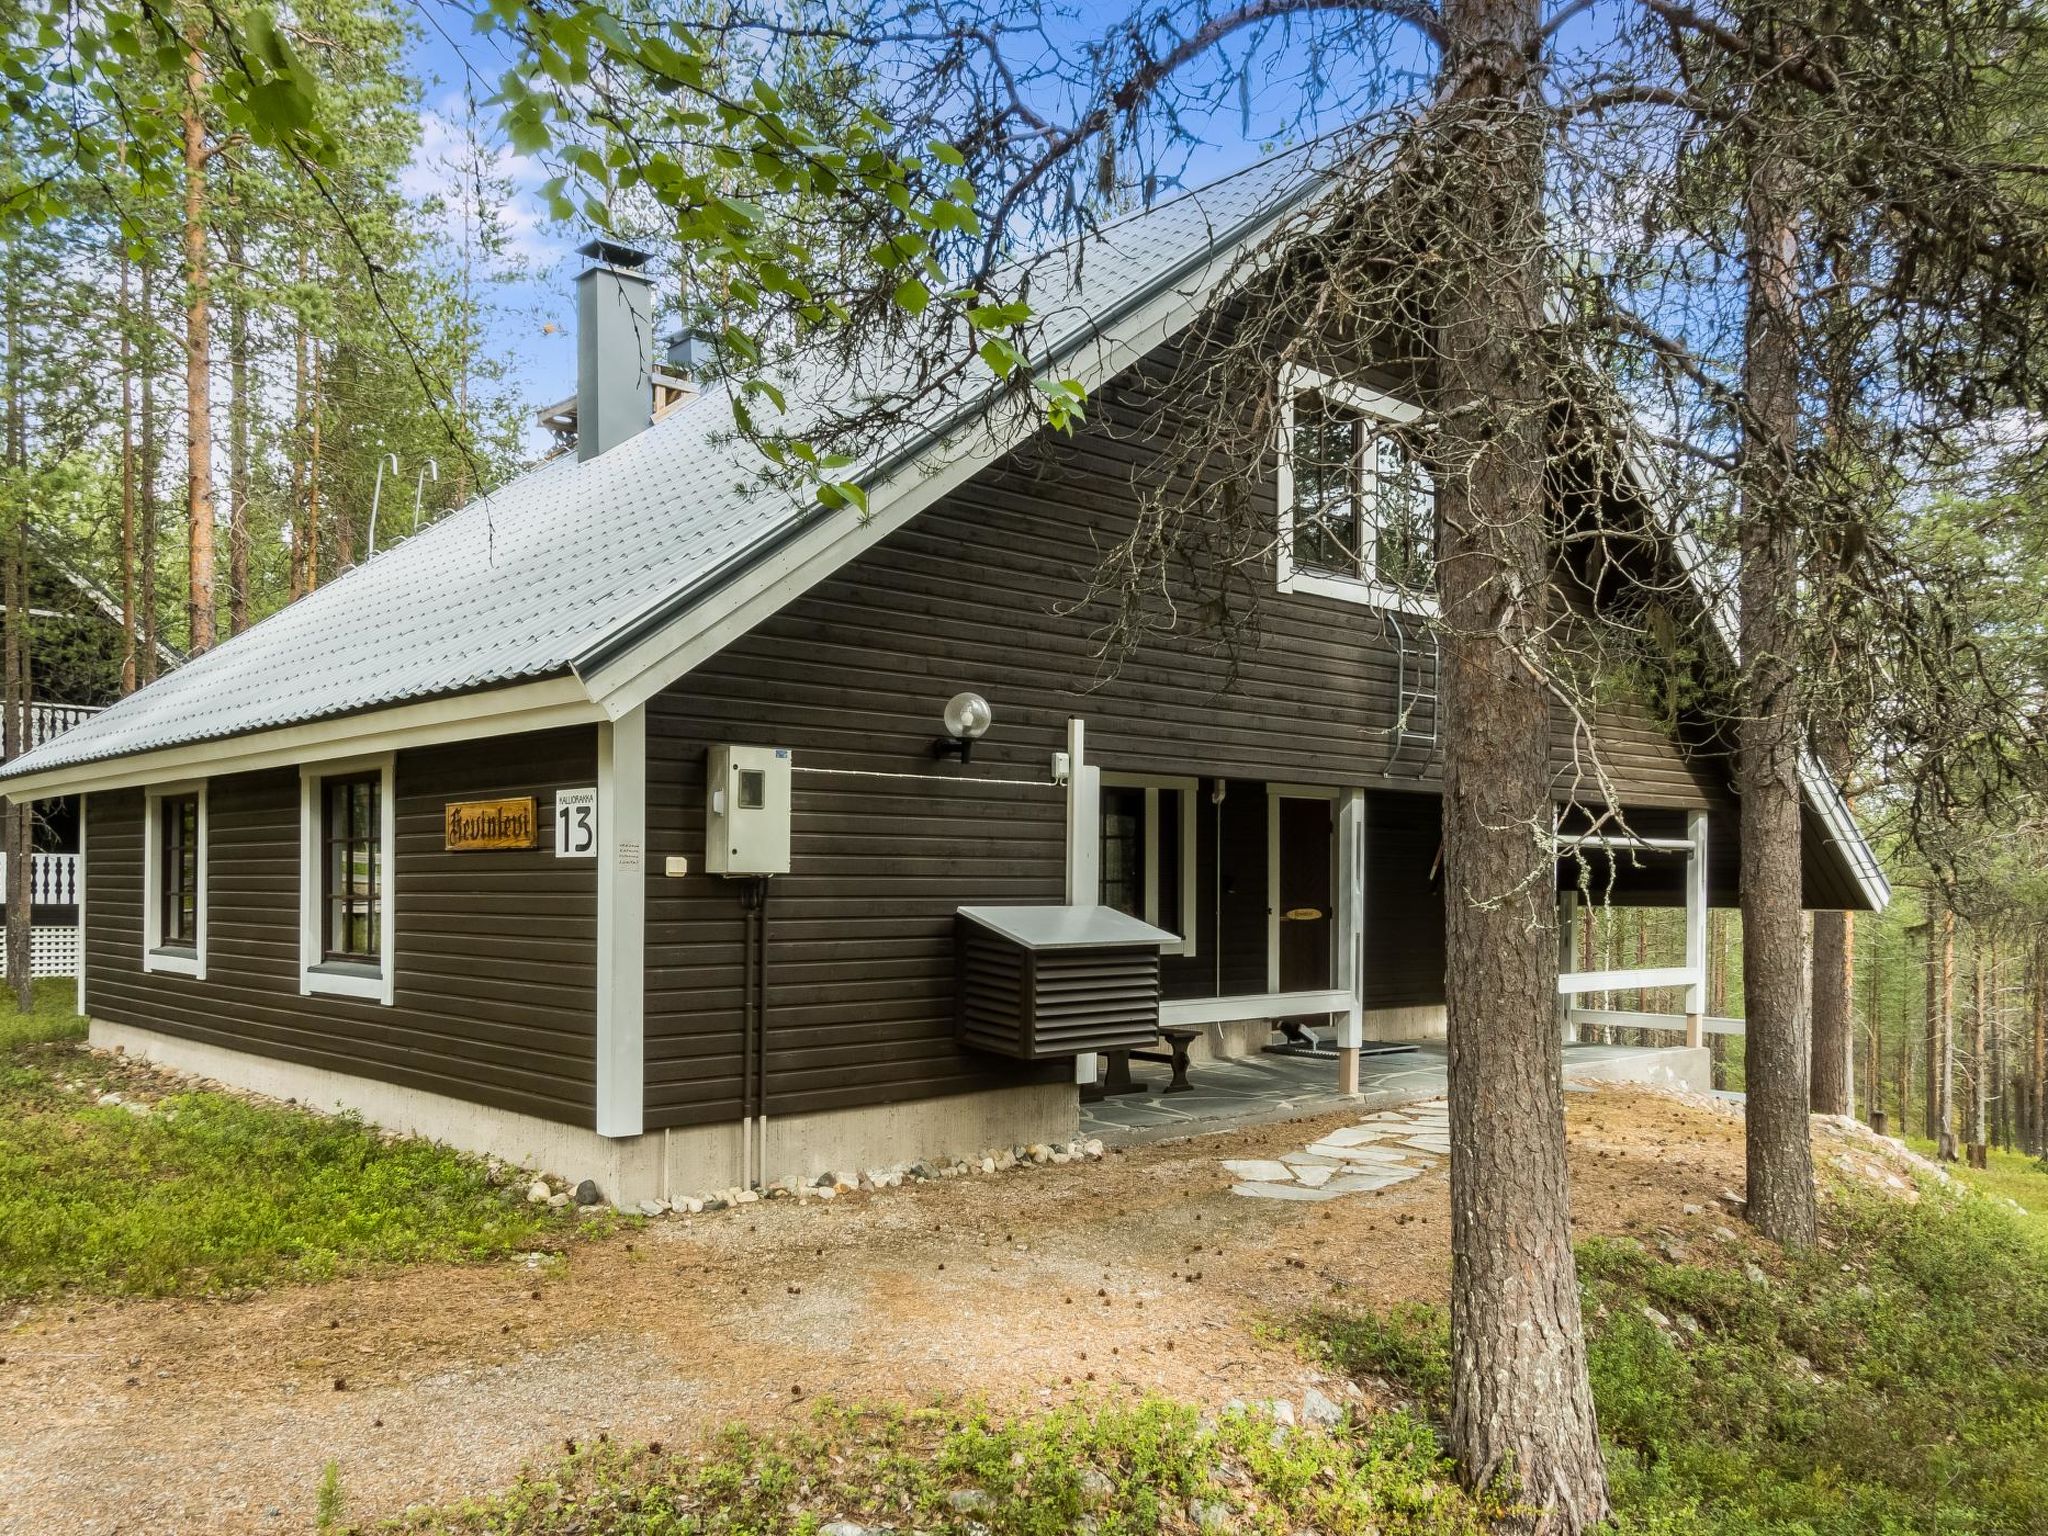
(1302, 915)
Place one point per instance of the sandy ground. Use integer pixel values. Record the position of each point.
(1138, 1273)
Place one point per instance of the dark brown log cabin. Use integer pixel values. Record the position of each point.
(601, 1001)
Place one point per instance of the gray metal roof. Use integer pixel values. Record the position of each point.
(542, 575)
(1079, 927)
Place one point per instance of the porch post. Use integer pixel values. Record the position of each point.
(1350, 926)
(621, 923)
(1567, 958)
(1084, 849)
(1696, 928)
(1084, 821)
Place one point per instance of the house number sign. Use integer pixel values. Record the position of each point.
(471, 824)
(576, 823)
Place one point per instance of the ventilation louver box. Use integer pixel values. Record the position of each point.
(1040, 983)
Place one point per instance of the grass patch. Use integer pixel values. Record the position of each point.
(2012, 1175)
(204, 1191)
(1896, 1382)
(1117, 1470)
(54, 1021)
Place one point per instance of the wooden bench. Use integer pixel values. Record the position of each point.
(1116, 1071)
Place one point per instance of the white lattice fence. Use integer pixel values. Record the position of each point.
(51, 952)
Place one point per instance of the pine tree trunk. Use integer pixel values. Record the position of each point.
(1973, 1127)
(127, 346)
(1521, 1406)
(238, 444)
(152, 466)
(1834, 982)
(1945, 1086)
(2040, 1049)
(198, 368)
(1778, 1055)
(18, 841)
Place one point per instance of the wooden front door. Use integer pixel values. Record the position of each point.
(1307, 894)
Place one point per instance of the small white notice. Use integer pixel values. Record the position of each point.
(576, 823)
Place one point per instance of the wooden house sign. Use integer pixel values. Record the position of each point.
(472, 824)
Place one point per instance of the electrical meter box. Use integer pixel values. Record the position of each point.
(746, 813)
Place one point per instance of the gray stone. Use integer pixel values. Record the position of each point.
(842, 1528)
(968, 1500)
(652, 1207)
(1258, 1170)
(1283, 1192)
(587, 1192)
(1209, 1515)
(1318, 1409)
(1756, 1276)
(538, 1191)
(1097, 1487)
(1657, 1319)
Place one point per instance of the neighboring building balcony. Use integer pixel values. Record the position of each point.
(52, 879)
(46, 722)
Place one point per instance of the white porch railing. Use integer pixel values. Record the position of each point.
(1673, 1023)
(52, 879)
(49, 721)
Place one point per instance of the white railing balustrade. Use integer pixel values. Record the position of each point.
(52, 879)
(46, 722)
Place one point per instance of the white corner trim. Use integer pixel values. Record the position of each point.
(621, 924)
(1184, 834)
(155, 957)
(315, 976)
(1084, 820)
(84, 821)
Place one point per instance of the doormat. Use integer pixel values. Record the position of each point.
(1315, 1050)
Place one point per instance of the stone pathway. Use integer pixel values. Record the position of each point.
(1382, 1150)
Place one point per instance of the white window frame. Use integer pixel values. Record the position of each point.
(317, 974)
(1295, 382)
(1152, 783)
(155, 957)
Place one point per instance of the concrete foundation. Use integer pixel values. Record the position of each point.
(1392, 1025)
(656, 1166)
(1690, 1067)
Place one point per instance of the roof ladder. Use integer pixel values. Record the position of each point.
(1415, 673)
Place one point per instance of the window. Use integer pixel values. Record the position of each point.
(1148, 852)
(349, 868)
(345, 880)
(174, 880)
(1357, 508)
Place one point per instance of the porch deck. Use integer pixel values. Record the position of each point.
(1259, 1090)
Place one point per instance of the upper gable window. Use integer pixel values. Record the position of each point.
(1357, 510)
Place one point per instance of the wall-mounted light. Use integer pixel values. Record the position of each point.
(967, 719)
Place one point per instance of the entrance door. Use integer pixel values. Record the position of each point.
(1306, 891)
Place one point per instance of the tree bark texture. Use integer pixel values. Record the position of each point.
(2038, 1078)
(18, 816)
(1521, 1404)
(198, 368)
(238, 446)
(1945, 1081)
(152, 464)
(127, 351)
(1834, 1033)
(1778, 1057)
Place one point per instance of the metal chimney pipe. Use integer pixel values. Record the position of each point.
(614, 347)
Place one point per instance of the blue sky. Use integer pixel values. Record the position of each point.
(535, 326)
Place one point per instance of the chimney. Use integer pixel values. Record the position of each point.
(614, 347)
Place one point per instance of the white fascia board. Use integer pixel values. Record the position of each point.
(706, 628)
(534, 706)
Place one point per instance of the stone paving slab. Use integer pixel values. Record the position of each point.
(1382, 1150)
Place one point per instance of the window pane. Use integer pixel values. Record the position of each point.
(1326, 473)
(1123, 849)
(1172, 803)
(352, 835)
(1404, 514)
